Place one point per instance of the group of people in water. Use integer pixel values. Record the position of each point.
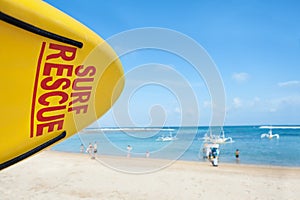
(211, 153)
(91, 149)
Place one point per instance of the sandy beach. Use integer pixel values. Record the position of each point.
(56, 175)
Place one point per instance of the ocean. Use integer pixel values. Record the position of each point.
(189, 141)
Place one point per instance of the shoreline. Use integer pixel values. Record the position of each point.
(169, 163)
(182, 160)
(62, 175)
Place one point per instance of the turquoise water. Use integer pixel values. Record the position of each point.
(253, 150)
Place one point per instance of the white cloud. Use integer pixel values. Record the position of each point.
(289, 84)
(269, 105)
(285, 103)
(237, 102)
(240, 77)
(257, 110)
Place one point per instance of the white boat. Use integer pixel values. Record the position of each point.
(220, 140)
(166, 138)
(269, 135)
(217, 139)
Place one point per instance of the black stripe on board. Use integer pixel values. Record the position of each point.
(38, 31)
(32, 151)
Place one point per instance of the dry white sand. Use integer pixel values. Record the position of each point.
(55, 175)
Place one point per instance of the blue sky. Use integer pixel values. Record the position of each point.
(254, 44)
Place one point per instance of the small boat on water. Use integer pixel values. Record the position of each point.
(269, 135)
(217, 139)
(166, 138)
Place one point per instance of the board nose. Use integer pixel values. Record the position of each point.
(58, 77)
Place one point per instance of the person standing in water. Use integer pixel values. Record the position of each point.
(95, 148)
(81, 148)
(90, 150)
(147, 154)
(237, 155)
(129, 148)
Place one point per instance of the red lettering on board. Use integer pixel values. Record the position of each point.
(59, 88)
(59, 69)
(43, 98)
(80, 97)
(62, 52)
(50, 125)
(64, 82)
(82, 108)
(90, 70)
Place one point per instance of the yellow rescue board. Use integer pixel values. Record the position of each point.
(57, 77)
